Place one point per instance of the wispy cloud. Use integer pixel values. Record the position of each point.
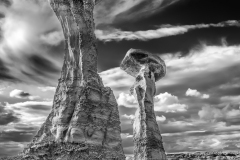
(47, 88)
(29, 31)
(109, 11)
(31, 112)
(163, 31)
(31, 46)
(204, 61)
(106, 11)
(28, 48)
(205, 72)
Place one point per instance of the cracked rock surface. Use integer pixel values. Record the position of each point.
(84, 120)
(147, 69)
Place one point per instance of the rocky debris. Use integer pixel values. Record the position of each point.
(84, 121)
(204, 156)
(11, 157)
(177, 156)
(147, 69)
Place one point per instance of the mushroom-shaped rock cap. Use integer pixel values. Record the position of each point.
(135, 59)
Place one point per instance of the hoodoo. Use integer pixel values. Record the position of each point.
(84, 122)
(147, 69)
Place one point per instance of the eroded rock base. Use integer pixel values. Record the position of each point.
(148, 144)
(83, 124)
(72, 151)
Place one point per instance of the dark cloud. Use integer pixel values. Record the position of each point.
(1, 16)
(233, 121)
(32, 109)
(39, 108)
(23, 127)
(9, 149)
(172, 44)
(42, 65)
(108, 12)
(186, 12)
(7, 116)
(4, 73)
(7, 3)
(145, 9)
(24, 94)
(16, 136)
(56, 51)
(132, 12)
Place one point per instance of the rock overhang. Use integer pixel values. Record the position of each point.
(137, 59)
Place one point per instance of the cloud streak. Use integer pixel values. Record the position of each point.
(47, 88)
(109, 11)
(29, 31)
(163, 31)
(31, 112)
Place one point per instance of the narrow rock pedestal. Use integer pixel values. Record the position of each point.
(147, 69)
(84, 122)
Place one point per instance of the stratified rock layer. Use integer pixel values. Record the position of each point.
(147, 68)
(84, 121)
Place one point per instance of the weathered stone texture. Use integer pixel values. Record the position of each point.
(84, 121)
(147, 69)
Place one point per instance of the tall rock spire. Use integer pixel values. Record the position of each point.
(84, 121)
(147, 68)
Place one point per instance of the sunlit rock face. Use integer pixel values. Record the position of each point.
(147, 69)
(84, 121)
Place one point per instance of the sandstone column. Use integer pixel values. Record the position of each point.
(84, 121)
(147, 68)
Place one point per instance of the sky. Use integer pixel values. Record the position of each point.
(197, 102)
